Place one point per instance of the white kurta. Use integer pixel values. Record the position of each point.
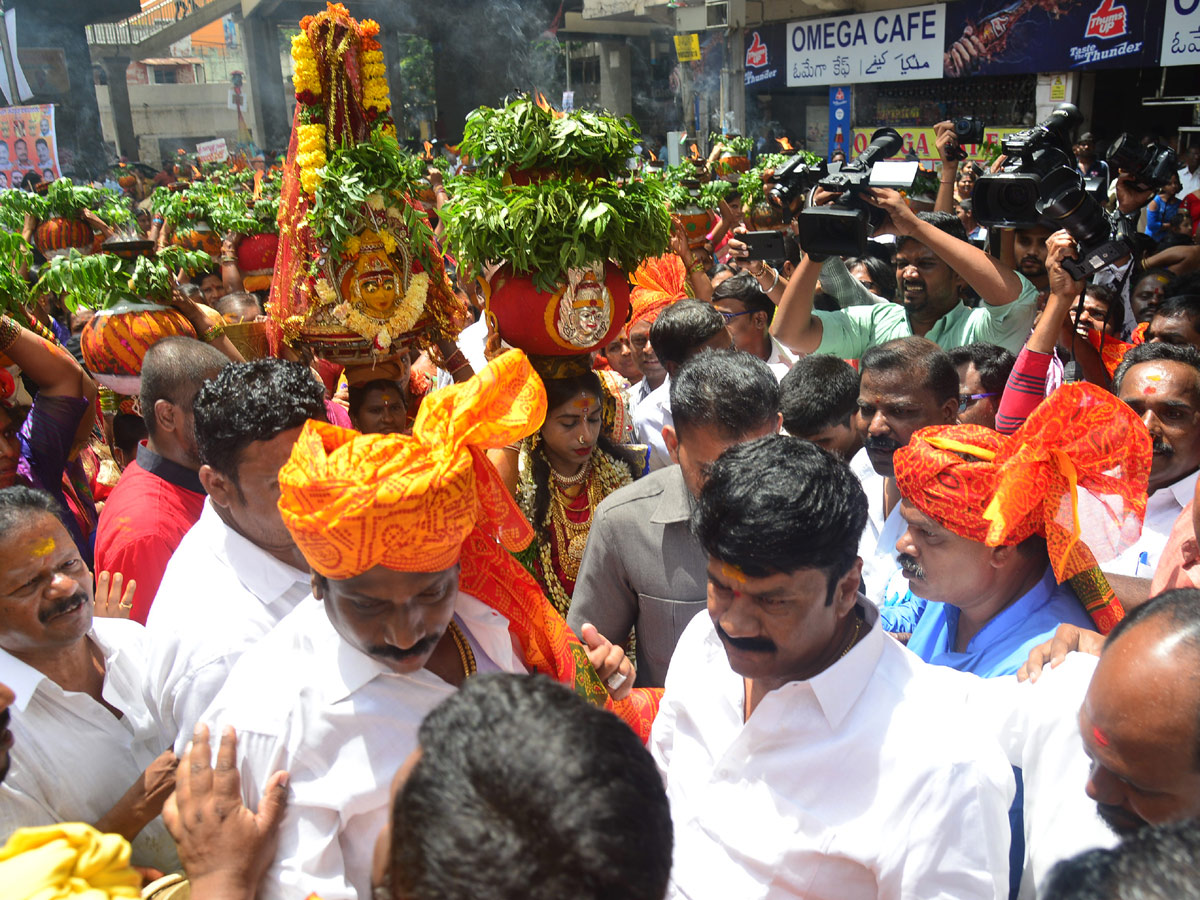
(859, 783)
(1162, 509)
(877, 546)
(72, 759)
(649, 417)
(220, 594)
(341, 723)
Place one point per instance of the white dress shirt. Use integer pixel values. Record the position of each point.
(858, 783)
(1162, 509)
(341, 723)
(72, 759)
(1037, 726)
(877, 546)
(649, 417)
(781, 359)
(219, 595)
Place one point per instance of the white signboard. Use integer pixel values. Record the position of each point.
(1181, 33)
(895, 45)
(212, 151)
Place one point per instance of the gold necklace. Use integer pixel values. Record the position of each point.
(854, 637)
(571, 537)
(571, 480)
(465, 653)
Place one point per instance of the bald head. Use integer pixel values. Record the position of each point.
(1140, 720)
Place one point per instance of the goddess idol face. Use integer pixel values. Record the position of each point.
(374, 285)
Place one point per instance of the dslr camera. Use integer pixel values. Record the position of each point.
(793, 180)
(1151, 167)
(967, 130)
(843, 226)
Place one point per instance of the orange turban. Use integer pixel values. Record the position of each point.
(353, 501)
(1079, 465)
(657, 283)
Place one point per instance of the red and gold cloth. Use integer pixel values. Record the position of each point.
(1112, 350)
(423, 502)
(1076, 473)
(657, 283)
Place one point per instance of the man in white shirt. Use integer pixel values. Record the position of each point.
(1189, 175)
(906, 384)
(87, 748)
(1161, 383)
(415, 589)
(805, 753)
(237, 572)
(682, 330)
(1103, 748)
(748, 313)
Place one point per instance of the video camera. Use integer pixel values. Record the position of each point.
(844, 225)
(1151, 167)
(1041, 184)
(793, 180)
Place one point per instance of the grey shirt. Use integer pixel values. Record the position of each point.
(642, 567)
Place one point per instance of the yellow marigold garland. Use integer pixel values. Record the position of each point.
(306, 77)
(405, 316)
(310, 154)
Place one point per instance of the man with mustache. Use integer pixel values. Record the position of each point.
(90, 750)
(237, 572)
(409, 540)
(906, 384)
(934, 263)
(804, 752)
(1029, 250)
(984, 542)
(1161, 384)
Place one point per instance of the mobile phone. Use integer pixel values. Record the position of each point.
(763, 244)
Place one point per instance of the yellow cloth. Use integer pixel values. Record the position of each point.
(354, 501)
(67, 860)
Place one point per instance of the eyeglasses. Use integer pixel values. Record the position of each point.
(729, 317)
(966, 400)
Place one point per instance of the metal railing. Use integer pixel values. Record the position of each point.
(150, 21)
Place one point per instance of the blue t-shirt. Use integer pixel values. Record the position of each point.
(1003, 644)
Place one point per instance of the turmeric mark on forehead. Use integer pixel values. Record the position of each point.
(44, 547)
(733, 573)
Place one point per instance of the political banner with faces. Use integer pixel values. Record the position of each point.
(28, 143)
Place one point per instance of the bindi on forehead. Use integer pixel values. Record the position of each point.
(732, 573)
(584, 402)
(43, 547)
(1099, 736)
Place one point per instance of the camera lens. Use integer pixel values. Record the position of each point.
(1006, 199)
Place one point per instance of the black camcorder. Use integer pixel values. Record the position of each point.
(793, 180)
(1040, 183)
(842, 227)
(1151, 166)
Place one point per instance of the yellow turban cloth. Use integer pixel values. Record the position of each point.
(68, 860)
(353, 501)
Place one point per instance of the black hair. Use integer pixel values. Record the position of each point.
(682, 327)
(927, 363)
(128, 431)
(212, 273)
(1158, 862)
(820, 391)
(358, 393)
(236, 301)
(882, 272)
(253, 401)
(1181, 305)
(1180, 353)
(1176, 284)
(558, 392)
(946, 222)
(19, 502)
(993, 363)
(1181, 610)
(744, 288)
(173, 370)
(791, 252)
(718, 269)
(779, 504)
(525, 791)
(729, 391)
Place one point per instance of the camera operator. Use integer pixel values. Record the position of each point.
(1091, 167)
(934, 261)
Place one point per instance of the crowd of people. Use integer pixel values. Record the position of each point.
(827, 577)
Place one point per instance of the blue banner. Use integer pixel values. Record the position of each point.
(766, 56)
(1003, 37)
(840, 135)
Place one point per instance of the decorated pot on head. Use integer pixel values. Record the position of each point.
(374, 285)
(256, 259)
(585, 310)
(59, 236)
(114, 342)
(199, 236)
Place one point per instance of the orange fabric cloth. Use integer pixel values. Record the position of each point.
(1075, 472)
(353, 501)
(657, 283)
(1112, 350)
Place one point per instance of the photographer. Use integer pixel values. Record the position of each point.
(934, 261)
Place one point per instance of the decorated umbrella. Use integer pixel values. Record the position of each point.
(359, 276)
